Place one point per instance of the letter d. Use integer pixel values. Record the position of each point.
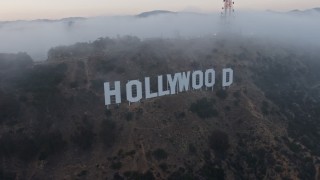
(227, 77)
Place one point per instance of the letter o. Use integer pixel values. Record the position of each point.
(129, 87)
(210, 73)
(195, 75)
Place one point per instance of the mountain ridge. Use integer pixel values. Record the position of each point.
(158, 12)
(54, 122)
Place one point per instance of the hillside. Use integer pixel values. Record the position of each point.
(313, 11)
(153, 13)
(54, 124)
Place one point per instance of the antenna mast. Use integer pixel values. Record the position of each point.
(227, 10)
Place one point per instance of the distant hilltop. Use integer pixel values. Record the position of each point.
(307, 12)
(155, 12)
(313, 11)
(68, 19)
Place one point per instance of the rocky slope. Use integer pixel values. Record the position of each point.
(54, 124)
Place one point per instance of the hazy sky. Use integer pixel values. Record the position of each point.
(52, 9)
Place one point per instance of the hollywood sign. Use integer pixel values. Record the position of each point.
(179, 82)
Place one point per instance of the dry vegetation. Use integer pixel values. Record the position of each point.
(54, 124)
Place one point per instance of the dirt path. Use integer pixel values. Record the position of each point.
(317, 172)
(86, 68)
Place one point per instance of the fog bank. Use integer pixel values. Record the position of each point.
(37, 37)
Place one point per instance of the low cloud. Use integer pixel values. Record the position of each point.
(37, 37)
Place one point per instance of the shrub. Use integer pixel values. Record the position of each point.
(219, 142)
(210, 171)
(159, 154)
(8, 145)
(82, 173)
(107, 132)
(107, 112)
(120, 70)
(15, 61)
(9, 107)
(180, 174)
(163, 167)
(50, 144)
(43, 78)
(180, 115)
(97, 84)
(116, 165)
(26, 148)
(76, 50)
(237, 94)
(131, 153)
(204, 108)
(294, 147)
(101, 43)
(7, 175)
(116, 176)
(129, 116)
(192, 149)
(132, 175)
(84, 137)
(278, 169)
(222, 94)
(265, 108)
(105, 66)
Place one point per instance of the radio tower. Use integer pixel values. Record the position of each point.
(227, 10)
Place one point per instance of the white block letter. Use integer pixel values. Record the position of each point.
(184, 81)
(227, 77)
(173, 82)
(160, 87)
(147, 87)
(197, 75)
(130, 90)
(108, 92)
(210, 78)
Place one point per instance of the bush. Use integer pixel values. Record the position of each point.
(133, 175)
(210, 171)
(7, 175)
(222, 94)
(84, 137)
(237, 94)
(180, 115)
(107, 132)
(294, 147)
(26, 148)
(51, 143)
(159, 154)
(116, 165)
(9, 107)
(278, 169)
(97, 84)
(129, 116)
(131, 153)
(105, 66)
(219, 142)
(163, 167)
(15, 61)
(7, 145)
(204, 108)
(180, 174)
(192, 149)
(76, 50)
(107, 112)
(101, 44)
(265, 108)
